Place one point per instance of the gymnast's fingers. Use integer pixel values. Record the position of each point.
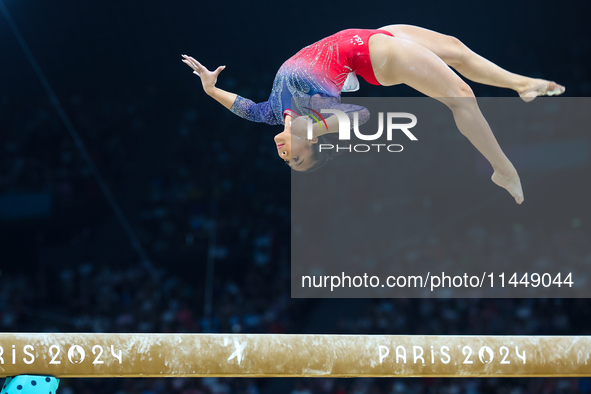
(188, 63)
(192, 63)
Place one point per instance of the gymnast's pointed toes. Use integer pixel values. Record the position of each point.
(541, 87)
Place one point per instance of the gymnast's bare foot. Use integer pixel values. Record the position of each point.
(511, 182)
(540, 87)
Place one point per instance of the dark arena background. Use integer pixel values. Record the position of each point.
(131, 202)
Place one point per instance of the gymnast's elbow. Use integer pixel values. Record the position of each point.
(362, 116)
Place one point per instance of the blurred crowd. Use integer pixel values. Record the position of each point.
(93, 298)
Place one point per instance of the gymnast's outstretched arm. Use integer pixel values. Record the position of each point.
(208, 80)
(241, 106)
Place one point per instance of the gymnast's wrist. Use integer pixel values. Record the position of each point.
(211, 92)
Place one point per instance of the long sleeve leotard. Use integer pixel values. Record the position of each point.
(318, 70)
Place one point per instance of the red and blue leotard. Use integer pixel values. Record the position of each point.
(318, 70)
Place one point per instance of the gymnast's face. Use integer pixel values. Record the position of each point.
(292, 148)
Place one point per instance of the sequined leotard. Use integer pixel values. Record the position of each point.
(318, 70)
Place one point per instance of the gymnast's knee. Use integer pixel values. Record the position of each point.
(457, 52)
(459, 96)
(462, 89)
(459, 90)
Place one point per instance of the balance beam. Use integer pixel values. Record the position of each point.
(283, 355)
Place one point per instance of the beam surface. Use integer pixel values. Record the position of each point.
(284, 355)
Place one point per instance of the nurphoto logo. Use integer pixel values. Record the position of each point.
(345, 130)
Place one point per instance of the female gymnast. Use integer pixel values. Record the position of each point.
(391, 55)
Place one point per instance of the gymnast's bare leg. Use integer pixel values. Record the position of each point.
(397, 60)
(473, 66)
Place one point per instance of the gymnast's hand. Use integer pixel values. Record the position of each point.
(208, 78)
